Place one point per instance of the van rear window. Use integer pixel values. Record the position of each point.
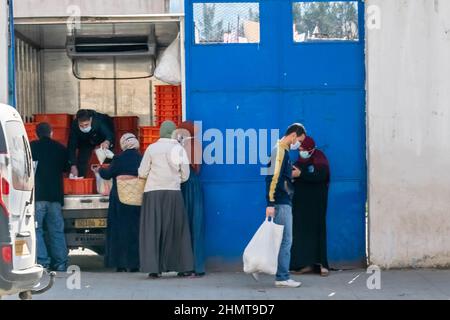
(2, 141)
(19, 151)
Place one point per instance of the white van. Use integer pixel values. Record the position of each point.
(19, 272)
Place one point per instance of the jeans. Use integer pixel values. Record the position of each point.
(283, 216)
(54, 255)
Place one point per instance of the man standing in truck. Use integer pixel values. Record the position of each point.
(88, 130)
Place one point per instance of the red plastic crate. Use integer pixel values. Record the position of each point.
(126, 123)
(79, 186)
(168, 113)
(149, 131)
(165, 109)
(30, 128)
(176, 120)
(61, 135)
(56, 120)
(168, 89)
(148, 140)
(170, 99)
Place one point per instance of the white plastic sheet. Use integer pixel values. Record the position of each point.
(168, 68)
(261, 253)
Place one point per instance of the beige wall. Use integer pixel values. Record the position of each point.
(42, 8)
(408, 104)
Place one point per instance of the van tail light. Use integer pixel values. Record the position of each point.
(7, 254)
(5, 187)
(4, 193)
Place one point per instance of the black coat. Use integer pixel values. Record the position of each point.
(102, 129)
(122, 238)
(309, 245)
(52, 158)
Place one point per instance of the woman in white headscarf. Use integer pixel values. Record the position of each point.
(122, 238)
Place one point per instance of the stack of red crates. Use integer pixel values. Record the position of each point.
(147, 136)
(168, 104)
(122, 125)
(60, 123)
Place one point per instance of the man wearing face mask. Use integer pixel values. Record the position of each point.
(89, 129)
(279, 192)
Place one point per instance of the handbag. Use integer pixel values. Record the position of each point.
(130, 190)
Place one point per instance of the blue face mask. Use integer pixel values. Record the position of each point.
(86, 130)
(305, 154)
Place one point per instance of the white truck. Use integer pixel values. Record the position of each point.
(105, 63)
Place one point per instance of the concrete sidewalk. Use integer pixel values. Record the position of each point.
(98, 283)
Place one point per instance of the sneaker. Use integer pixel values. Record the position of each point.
(287, 284)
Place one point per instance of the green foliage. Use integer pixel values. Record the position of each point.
(210, 31)
(338, 20)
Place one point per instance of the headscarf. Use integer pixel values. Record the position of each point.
(129, 141)
(187, 132)
(167, 128)
(317, 159)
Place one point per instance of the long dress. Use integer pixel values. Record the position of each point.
(122, 235)
(165, 239)
(193, 200)
(309, 208)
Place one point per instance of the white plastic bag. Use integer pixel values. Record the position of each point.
(168, 68)
(103, 186)
(103, 154)
(261, 253)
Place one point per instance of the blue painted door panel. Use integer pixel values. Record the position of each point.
(269, 86)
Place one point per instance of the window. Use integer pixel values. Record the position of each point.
(2, 141)
(325, 21)
(226, 23)
(20, 154)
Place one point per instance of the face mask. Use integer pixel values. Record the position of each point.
(305, 154)
(86, 130)
(296, 145)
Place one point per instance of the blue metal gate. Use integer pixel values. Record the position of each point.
(272, 83)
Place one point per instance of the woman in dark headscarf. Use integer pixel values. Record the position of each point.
(193, 193)
(122, 237)
(309, 247)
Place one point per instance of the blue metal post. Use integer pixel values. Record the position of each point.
(11, 58)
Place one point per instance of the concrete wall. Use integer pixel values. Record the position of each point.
(3, 53)
(408, 102)
(45, 8)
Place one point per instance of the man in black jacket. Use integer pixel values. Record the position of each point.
(88, 130)
(52, 161)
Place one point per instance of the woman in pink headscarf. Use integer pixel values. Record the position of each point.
(309, 246)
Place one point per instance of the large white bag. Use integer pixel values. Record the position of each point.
(168, 68)
(261, 253)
